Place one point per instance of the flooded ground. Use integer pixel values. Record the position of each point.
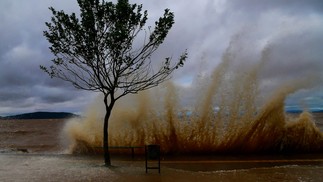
(35, 150)
(28, 167)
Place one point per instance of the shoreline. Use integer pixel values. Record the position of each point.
(67, 167)
(197, 163)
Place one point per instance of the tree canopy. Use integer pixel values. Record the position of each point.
(95, 52)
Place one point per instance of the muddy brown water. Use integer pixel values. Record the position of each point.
(46, 159)
(36, 136)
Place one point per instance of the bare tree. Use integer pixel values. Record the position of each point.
(95, 51)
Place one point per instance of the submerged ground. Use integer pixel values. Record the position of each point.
(17, 167)
(48, 160)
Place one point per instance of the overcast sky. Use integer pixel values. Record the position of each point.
(293, 29)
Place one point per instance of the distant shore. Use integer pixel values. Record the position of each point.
(41, 115)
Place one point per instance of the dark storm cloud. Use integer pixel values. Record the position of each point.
(293, 29)
(23, 86)
(291, 6)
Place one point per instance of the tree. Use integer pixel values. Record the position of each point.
(96, 51)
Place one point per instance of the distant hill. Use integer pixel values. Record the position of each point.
(42, 115)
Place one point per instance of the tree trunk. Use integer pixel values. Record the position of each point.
(107, 160)
(108, 107)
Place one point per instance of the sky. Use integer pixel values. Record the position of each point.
(292, 29)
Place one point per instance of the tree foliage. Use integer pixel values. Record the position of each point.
(96, 51)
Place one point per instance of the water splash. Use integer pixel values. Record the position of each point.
(227, 117)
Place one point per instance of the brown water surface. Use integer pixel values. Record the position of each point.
(46, 161)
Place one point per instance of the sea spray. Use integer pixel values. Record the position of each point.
(228, 117)
(83, 133)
